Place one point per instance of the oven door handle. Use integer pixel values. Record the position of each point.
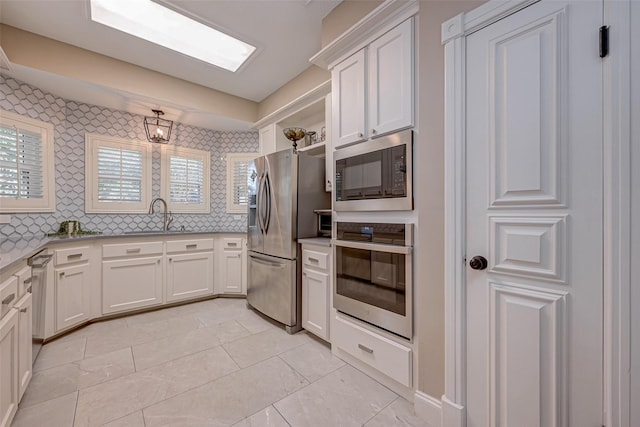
(378, 247)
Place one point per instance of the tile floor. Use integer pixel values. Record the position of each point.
(210, 363)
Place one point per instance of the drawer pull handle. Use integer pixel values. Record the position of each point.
(8, 299)
(74, 255)
(193, 246)
(365, 348)
(29, 289)
(232, 244)
(23, 310)
(27, 280)
(314, 260)
(133, 250)
(62, 275)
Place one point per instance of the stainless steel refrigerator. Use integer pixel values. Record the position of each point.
(284, 189)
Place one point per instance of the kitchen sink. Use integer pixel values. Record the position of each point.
(155, 231)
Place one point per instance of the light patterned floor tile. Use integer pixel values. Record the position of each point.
(313, 360)
(268, 417)
(132, 420)
(58, 353)
(228, 399)
(56, 412)
(346, 397)
(400, 413)
(254, 348)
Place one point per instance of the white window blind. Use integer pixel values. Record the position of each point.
(26, 164)
(187, 180)
(186, 176)
(237, 166)
(117, 174)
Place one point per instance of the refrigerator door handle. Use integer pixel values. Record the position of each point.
(267, 185)
(265, 262)
(260, 203)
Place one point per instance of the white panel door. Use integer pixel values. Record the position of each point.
(25, 339)
(534, 212)
(232, 272)
(8, 367)
(72, 296)
(391, 81)
(189, 275)
(348, 100)
(315, 302)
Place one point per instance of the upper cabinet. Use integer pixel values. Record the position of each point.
(373, 88)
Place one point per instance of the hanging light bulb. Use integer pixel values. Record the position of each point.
(162, 127)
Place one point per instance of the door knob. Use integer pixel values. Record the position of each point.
(478, 262)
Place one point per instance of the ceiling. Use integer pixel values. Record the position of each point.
(286, 34)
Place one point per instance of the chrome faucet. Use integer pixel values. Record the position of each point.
(167, 215)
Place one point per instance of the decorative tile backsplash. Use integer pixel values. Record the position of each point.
(72, 120)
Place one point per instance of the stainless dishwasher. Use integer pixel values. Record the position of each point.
(38, 264)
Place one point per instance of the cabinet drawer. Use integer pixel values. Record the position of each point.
(232, 242)
(388, 357)
(8, 295)
(24, 281)
(69, 255)
(131, 249)
(315, 259)
(189, 245)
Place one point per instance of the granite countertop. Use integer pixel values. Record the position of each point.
(19, 248)
(320, 241)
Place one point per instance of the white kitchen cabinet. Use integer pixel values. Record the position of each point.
(9, 396)
(372, 89)
(72, 286)
(131, 283)
(328, 146)
(72, 295)
(316, 289)
(232, 266)
(189, 269)
(348, 100)
(25, 332)
(267, 139)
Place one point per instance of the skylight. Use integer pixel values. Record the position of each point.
(155, 23)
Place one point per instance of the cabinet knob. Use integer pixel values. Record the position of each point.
(478, 262)
(62, 274)
(23, 310)
(373, 131)
(360, 135)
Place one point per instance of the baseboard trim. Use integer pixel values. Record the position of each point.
(428, 409)
(453, 415)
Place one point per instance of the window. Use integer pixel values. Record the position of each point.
(237, 166)
(27, 169)
(185, 179)
(118, 175)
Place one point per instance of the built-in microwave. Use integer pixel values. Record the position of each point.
(373, 279)
(375, 175)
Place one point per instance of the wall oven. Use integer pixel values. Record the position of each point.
(374, 274)
(375, 175)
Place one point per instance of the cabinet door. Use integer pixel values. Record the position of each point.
(328, 146)
(390, 84)
(71, 296)
(25, 332)
(189, 275)
(232, 272)
(131, 283)
(315, 302)
(8, 367)
(348, 100)
(267, 139)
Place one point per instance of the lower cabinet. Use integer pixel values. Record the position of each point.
(232, 266)
(128, 284)
(316, 289)
(25, 333)
(72, 295)
(9, 396)
(189, 275)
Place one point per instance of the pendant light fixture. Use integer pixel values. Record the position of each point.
(158, 129)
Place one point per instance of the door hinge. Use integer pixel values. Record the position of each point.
(604, 41)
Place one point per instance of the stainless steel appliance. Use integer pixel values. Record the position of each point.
(284, 190)
(38, 263)
(375, 175)
(324, 222)
(374, 274)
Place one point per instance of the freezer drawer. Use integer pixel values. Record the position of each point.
(272, 287)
